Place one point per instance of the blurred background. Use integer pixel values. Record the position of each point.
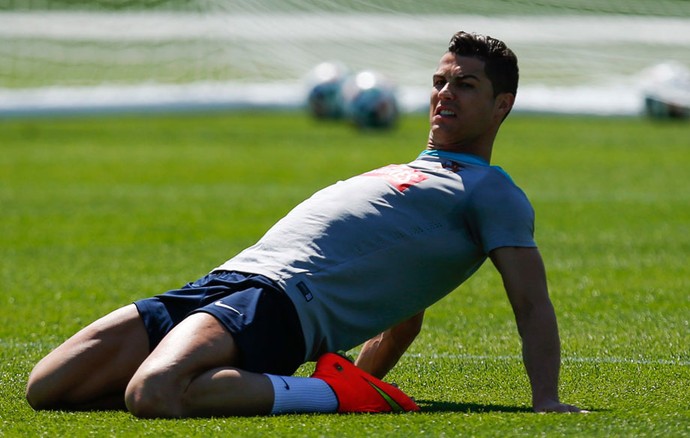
(617, 57)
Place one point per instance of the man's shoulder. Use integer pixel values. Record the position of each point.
(495, 186)
(487, 178)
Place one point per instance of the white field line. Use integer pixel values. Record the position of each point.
(453, 356)
(603, 100)
(588, 360)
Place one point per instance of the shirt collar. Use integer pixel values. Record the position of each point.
(455, 156)
(462, 158)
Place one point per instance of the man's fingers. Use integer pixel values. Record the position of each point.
(561, 407)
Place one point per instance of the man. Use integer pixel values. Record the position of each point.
(358, 262)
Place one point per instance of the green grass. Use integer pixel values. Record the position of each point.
(97, 212)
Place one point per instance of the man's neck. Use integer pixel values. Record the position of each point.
(482, 152)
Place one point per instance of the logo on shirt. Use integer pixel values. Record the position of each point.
(306, 293)
(453, 166)
(399, 176)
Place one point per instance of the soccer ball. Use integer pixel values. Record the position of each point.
(667, 91)
(370, 101)
(325, 90)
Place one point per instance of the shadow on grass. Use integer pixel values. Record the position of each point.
(470, 408)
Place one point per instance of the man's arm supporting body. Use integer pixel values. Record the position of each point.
(524, 278)
(380, 353)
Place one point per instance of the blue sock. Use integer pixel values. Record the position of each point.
(302, 395)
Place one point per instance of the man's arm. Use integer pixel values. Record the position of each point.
(524, 278)
(380, 353)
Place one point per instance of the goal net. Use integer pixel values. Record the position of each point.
(576, 56)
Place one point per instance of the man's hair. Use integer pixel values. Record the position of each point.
(500, 63)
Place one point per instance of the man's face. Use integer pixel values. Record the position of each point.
(463, 109)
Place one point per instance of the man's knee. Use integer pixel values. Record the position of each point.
(90, 365)
(153, 396)
(40, 392)
(46, 387)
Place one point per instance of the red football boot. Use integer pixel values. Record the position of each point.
(359, 391)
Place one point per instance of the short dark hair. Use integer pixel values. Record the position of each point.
(500, 63)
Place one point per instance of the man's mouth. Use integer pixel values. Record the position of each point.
(445, 112)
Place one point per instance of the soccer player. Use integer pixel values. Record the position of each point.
(357, 263)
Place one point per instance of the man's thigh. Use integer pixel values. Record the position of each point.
(194, 372)
(259, 316)
(197, 344)
(92, 368)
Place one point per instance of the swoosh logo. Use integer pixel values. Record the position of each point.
(395, 407)
(225, 306)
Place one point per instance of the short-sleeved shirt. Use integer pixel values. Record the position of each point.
(369, 252)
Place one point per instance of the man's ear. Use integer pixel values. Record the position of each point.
(504, 103)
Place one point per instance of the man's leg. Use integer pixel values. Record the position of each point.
(193, 373)
(92, 368)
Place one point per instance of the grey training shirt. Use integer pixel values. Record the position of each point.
(364, 254)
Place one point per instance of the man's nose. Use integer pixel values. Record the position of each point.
(445, 92)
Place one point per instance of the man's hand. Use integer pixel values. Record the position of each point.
(556, 406)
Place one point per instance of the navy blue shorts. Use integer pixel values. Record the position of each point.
(258, 314)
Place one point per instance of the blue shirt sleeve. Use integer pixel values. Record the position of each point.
(500, 213)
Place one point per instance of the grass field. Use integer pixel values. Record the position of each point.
(97, 212)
